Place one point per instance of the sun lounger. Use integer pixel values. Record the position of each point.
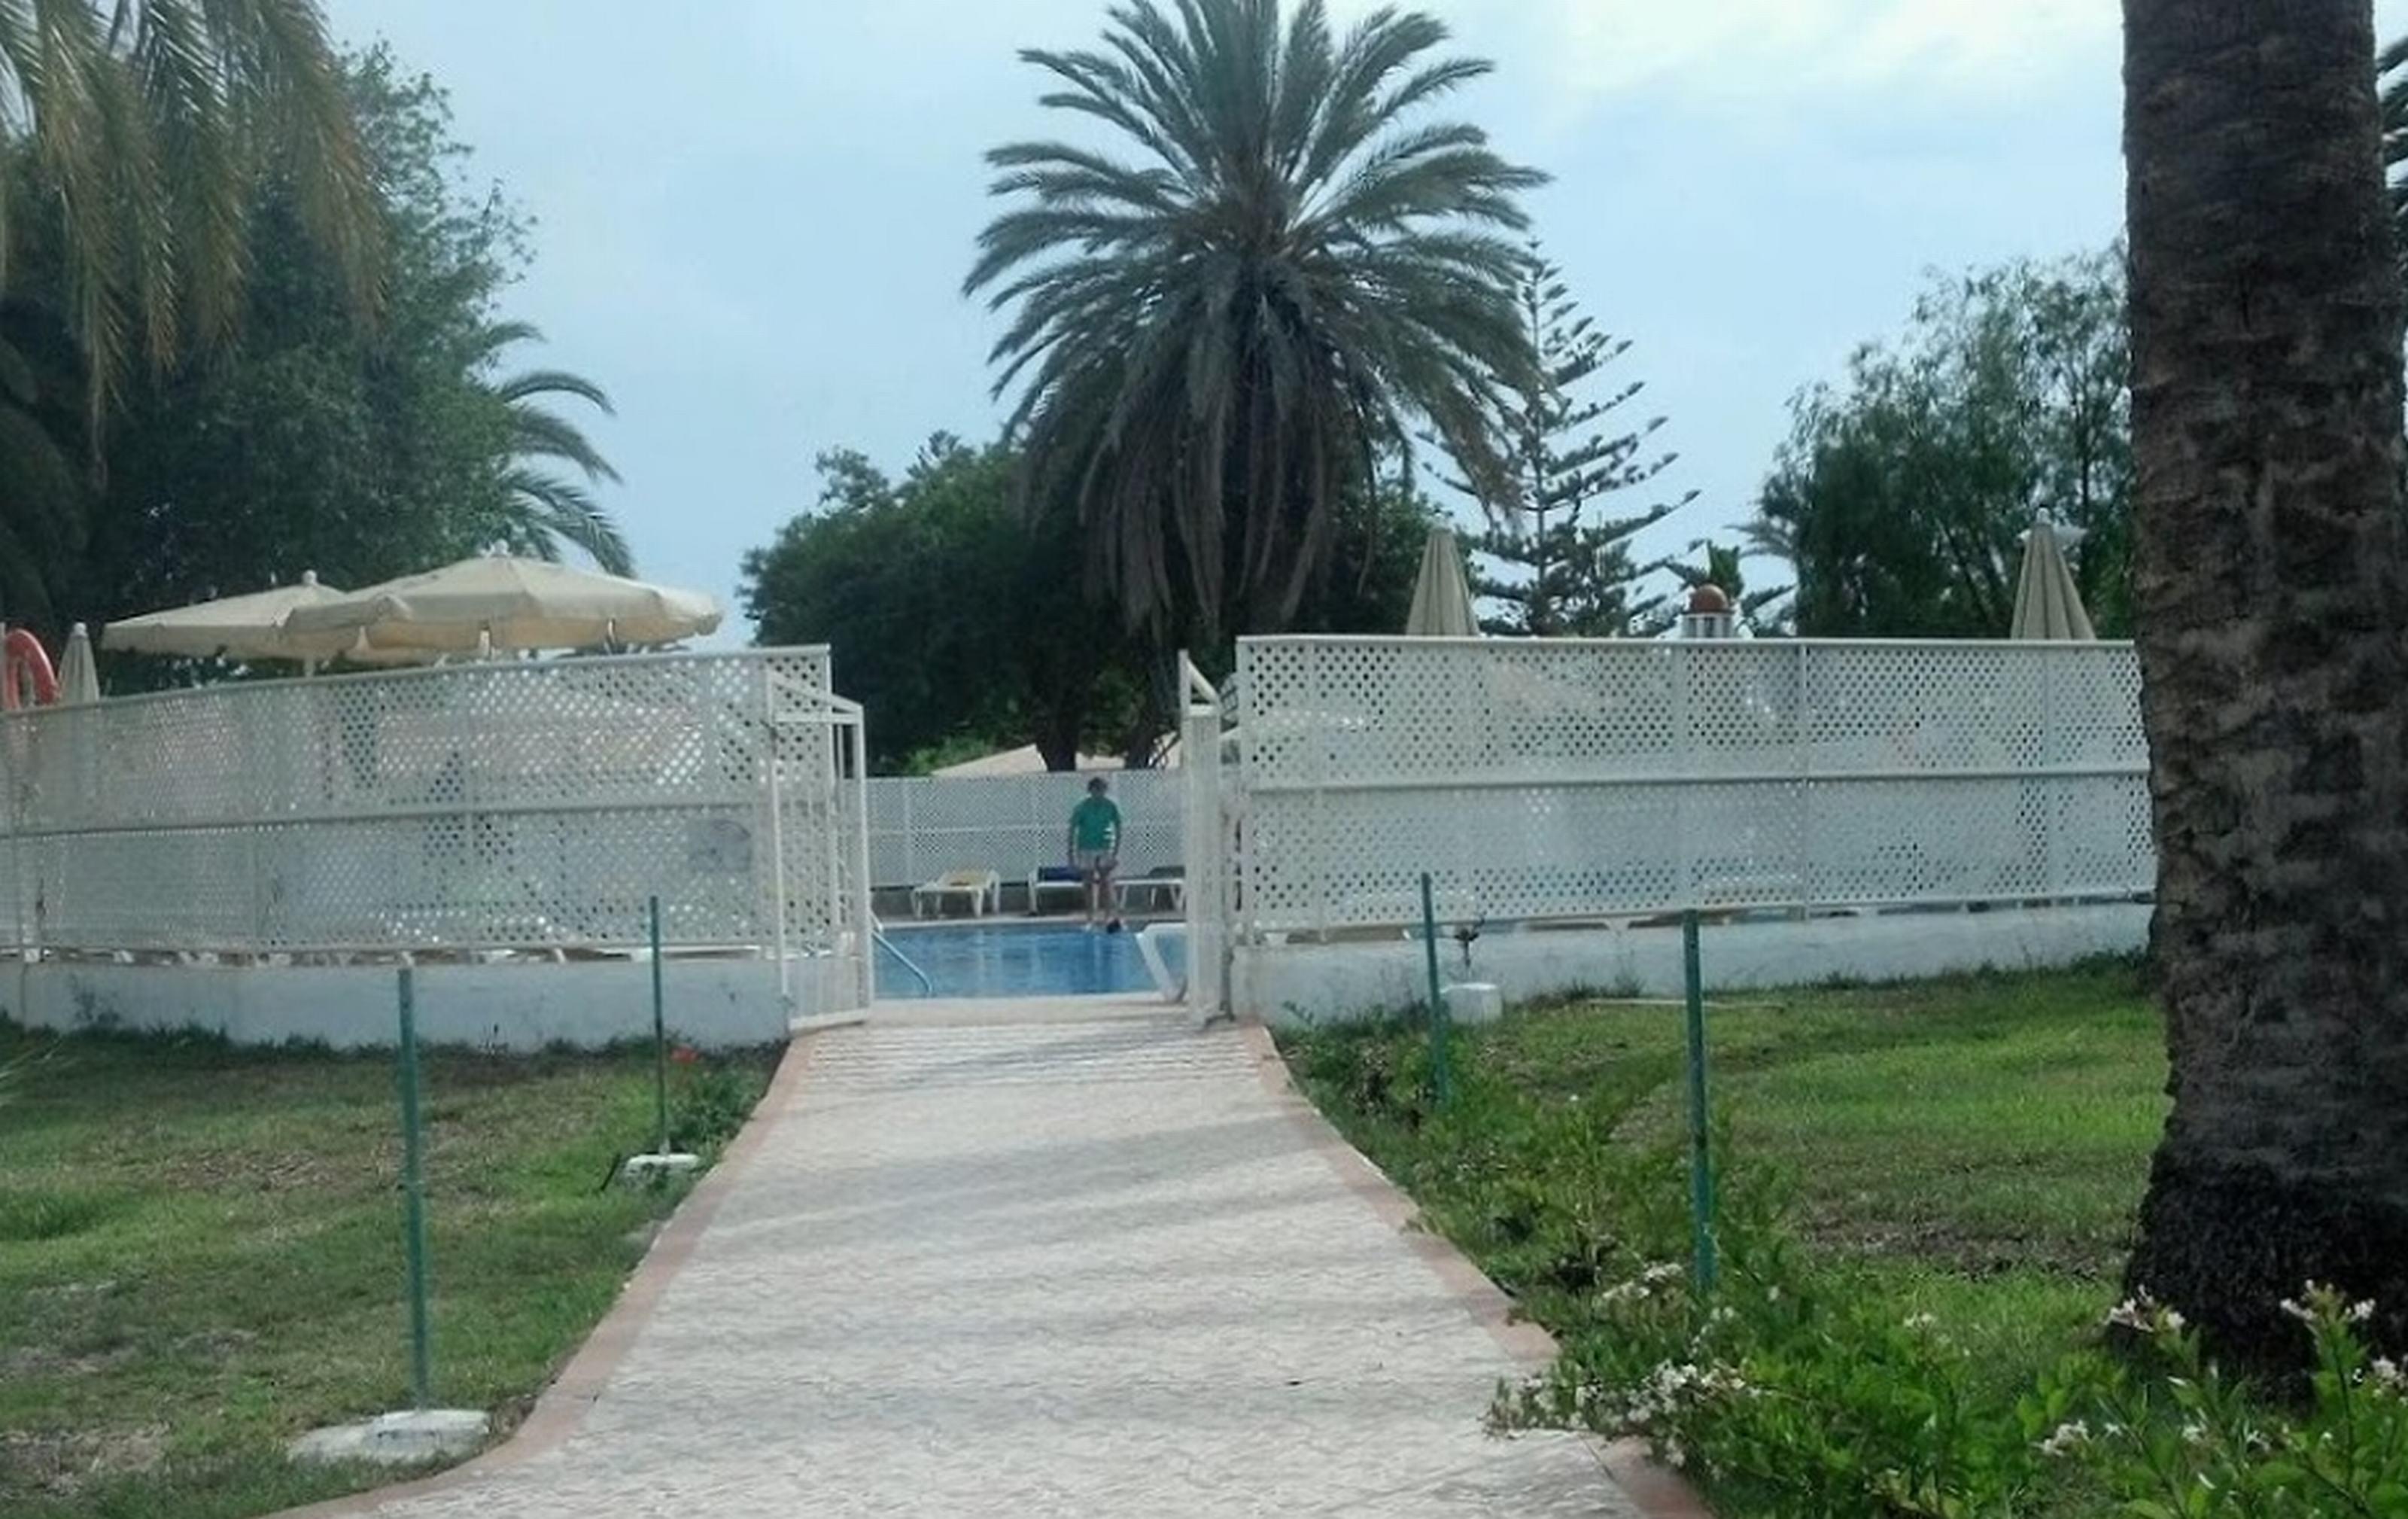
(1061, 880)
(1170, 882)
(983, 888)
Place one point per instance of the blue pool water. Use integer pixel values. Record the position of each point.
(1016, 959)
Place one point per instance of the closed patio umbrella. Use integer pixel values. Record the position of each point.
(78, 679)
(500, 602)
(1442, 593)
(2047, 606)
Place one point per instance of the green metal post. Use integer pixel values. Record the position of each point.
(660, 1040)
(1439, 1072)
(1701, 1160)
(413, 1194)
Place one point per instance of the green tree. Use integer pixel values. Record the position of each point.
(544, 510)
(1565, 575)
(318, 440)
(2272, 580)
(957, 620)
(946, 617)
(1213, 338)
(131, 139)
(1901, 498)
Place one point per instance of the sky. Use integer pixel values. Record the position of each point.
(752, 226)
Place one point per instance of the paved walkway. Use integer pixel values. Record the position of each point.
(1094, 1269)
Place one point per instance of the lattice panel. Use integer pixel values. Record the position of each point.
(1566, 779)
(519, 804)
(921, 827)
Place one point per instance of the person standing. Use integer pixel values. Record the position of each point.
(1096, 850)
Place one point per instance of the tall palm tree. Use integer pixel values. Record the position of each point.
(541, 509)
(1218, 332)
(2273, 588)
(134, 136)
(146, 125)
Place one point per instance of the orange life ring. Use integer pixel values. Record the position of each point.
(23, 661)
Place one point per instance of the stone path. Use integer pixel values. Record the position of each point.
(1092, 1268)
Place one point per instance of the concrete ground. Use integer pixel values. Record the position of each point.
(1081, 1261)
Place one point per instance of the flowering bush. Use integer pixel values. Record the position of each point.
(2173, 1438)
(1799, 1399)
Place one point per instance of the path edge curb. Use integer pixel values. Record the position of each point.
(1657, 1491)
(565, 1401)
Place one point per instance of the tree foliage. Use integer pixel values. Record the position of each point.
(314, 440)
(137, 129)
(1564, 574)
(959, 622)
(1214, 336)
(1901, 496)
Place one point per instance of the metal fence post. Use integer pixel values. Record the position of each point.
(413, 1193)
(1440, 1075)
(1702, 1161)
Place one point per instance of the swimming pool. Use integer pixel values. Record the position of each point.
(1016, 959)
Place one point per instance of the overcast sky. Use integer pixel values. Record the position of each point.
(755, 215)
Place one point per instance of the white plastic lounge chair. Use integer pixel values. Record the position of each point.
(983, 888)
(1170, 882)
(1061, 880)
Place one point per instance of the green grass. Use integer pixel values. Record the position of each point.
(200, 1254)
(1973, 1147)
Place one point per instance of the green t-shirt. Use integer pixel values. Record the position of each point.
(1096, 824)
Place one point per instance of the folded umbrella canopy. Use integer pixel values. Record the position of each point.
(248, 626)
(1443, 595)
(2047, 605)
(79, 679)
(501, 602)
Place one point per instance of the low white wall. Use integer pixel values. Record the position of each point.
(1316, 983)
(710, 1003)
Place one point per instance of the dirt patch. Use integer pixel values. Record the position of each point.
(60, 1463)
(42, 1361)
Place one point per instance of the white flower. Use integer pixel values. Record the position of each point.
(2069, 1435)
(2138, 1312)
(2194, 1433)
(1921, 1321)
(1662, 1271)
(2361, 1312)
(2387, 1374)
(1773, 1294)
(1676, 1456)
(2298, 1311)
(2173, 1320)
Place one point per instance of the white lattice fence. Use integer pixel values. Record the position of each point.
(511, 804)
(1569, 778)
(921, 827)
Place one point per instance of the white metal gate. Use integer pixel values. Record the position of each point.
(1209, 836)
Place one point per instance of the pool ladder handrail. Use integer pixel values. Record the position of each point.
(878, 932)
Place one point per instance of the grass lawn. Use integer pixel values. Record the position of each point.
(201, 1252)
(1972, 1148)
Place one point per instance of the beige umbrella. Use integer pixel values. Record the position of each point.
(499, 601)
(2047, 606)
(78, 679)
(1442, 594)
(238, 627)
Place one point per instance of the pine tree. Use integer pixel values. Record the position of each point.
(1562, 574)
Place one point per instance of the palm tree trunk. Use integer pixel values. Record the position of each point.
(2273, 617)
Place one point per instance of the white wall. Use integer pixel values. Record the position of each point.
(1314, 983)
(714, 1004)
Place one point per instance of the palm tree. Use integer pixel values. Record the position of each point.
(541, 509)
(145, 126)
(1219, 333)
(2272, 580)
(2391, 67)
(134, 135)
